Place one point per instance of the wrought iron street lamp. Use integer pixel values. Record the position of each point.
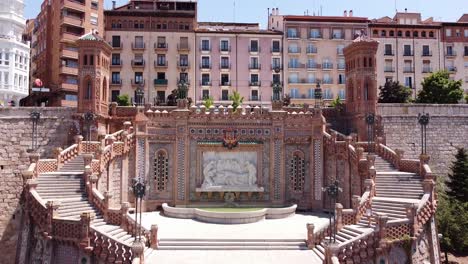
(332, 191)
(139, 96)
(89, 120)
(182, 89)
(35, 116)
(139, 191)
(370, 121)
(318, 96)
(423, 120)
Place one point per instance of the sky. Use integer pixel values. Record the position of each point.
(256, 10)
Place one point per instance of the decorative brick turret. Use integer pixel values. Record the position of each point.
(361, 84)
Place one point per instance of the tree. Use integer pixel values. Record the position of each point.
(337, 104)
(123, 100)
(466, 98)
(236, 99)
(208, 102)
(439, 89)
(394, 92)
(458, 178)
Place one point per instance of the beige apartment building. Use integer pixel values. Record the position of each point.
(313, 53)
(59, 24)
(153, 48)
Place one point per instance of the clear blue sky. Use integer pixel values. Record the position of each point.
(256, 10)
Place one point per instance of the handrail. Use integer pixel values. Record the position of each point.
(110, 250)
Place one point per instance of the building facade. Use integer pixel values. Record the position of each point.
(14, 53)
(237, 57)
(153, 48)
(59, 24)
(313, 53)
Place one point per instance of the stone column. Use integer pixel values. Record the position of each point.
(339, 216)
(154, 237)
(400, 153)
(57, 152)
(85, 221)
(310, 236)
(78, 142)
(52, 207)
(423, 159)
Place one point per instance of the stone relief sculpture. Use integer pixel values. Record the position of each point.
(230, 169)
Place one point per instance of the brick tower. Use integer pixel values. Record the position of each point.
(93, 78)
(361, 84)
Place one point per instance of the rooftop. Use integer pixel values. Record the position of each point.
(348, 19)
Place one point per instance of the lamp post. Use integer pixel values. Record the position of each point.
(318, 96)
(370, 121)
(89, 119)
(423, 120)
(182, 89)
(139, 191)
(35, 116)
(139, 96)
(332, 191)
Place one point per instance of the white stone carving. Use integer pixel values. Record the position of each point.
(229, 169)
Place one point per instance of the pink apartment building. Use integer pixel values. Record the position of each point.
(237, 57)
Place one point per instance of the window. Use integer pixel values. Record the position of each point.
(276, 46)
(254, 46)
(138, 78)
(327, 94)
(116, 59)
(293, 63)
(161, 43)
(161, 171)
(71, 97)
(415, 34)
(341, 79)
(327, 79)
(205, 62)
(337, 34)
(311, 78)
(409, 81)
(114, 95)
(342, 94)
(297, 172)
(183, 43)
(293, 48)
(388, 50)
(161, 76)
(161, 60)
(426, 51)
(315, 33)
(383, 33)
(205, 45)
(407, 50)
(292, 33)
(91, 60)
(448, 32)
(183, 76)
(139, 44)
(431, 34)
(294, 93)
(294, 77)
(138, 61)
(206, 79)
(466, 33)
(225, 63)
(391, 33)
(85, 59)
(224, 95)
(115, 78)
(205, 94)
(311, 48)
(466, 51)
(407, 34)
(276, 63)
(160, 97)
(224, 45)
(93, 19)
(423, 34)
(457, 33)
(88, 90)
(276, 78)
(399, 34)
(183, 60)
(254, 80)
(94, 4)
(254, 63)
(225, 79)
(116, 43)
(254, 95)
(311, 63)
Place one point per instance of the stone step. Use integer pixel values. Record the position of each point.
(392, 207)
(398, 182)
(400, 195)
(318, 253)
(76, 213)
(75, 206)
(393, 191)
(237, 247)
(390, 214)
(349, 232)
(62, 198)
(78, 209)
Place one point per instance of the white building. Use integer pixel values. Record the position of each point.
(14, 53)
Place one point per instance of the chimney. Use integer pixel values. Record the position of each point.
(350, 13)
(345, 13)
(113, 4)
(277, 11)
(406, 10)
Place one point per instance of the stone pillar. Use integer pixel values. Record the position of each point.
(124, 224)
(382, 226)
(154, 237)
(331, 250)
(339, 216)
(78, 142)
(107, 205)
(57, 155)
(85, 221)
(138, 247)
(124, 179)
(400, 153)
(52, 207)
(411, 213)
(310, 235)
(423, 159)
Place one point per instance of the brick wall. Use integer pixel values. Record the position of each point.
(447, 131)
(15, 130)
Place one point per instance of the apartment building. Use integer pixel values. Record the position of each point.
(313, 53)
(454, 49)
(153, 48)
(237, 57)
(409, 49)
(59, 24)
(14, 53)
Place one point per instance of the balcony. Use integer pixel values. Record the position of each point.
(138, 63)
(226, 83)
(255, 83)
(160, 47)
(315, 35)
(466, 53)
(183, 47)
(408, 53)
(293, 80)
(328, 81)
(294, 50)
(389, 69)
(427, 53)
(68, 70)
(205, 83)
(138, 46)
(255, 66)
(160, 64)
(426, 69)
(408, 69)
(254, 49)
(327, 66)
(205, 48)
(339, 52)
(293, 35)
(116, 82)
(276, 66)
(75, 5)
(225, 49)
(450, 53)
(116, 63)
(160, 82)
(72, 21)
(276, 49)
(70, 37)
(451, 68)
(71, 54)
(254, 98)
(183, 65)
(341, 66)
(116, 45)
(187, 81)
(338, 36)
(311, 50)
(296, 65)
(69, 87)
(225, 66)
(313, 66)
(138, 82)
(205, 66)
(389, 53)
